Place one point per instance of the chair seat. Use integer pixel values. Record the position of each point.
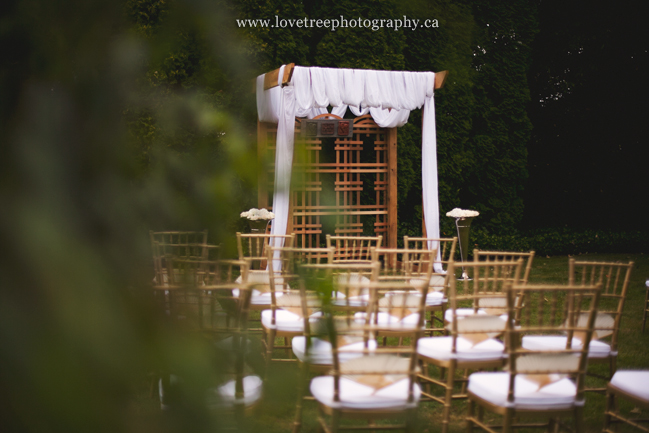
(635, 383)
(493, 388)
(354, 395)
(257, 297)
(386, 320)
(448, 314)
(597, 349)
(435, 298)
(440, 348)
(320, 352)
(224, 395)
(285, 320)
(340, 300)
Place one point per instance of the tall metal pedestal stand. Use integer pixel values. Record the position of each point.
(463, 225)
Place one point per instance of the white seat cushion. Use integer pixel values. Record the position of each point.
(448, 314)
(285, 320)
(354, 395)
(224, 395)
(353, 301)
(493, 387)
(320, 352)
(633, 382)
(440, 348)
(393, 322)
(597, 349)
(258, 298)
(435, 298)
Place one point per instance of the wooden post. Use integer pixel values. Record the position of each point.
(262, 178)
(392, 187)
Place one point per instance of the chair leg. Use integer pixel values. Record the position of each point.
(469, 416)
(270, 344)
(411, 422)
(335, 420)
(610, 406)
(297, 423)
(579, 420)
(507, 421)
(448, 397)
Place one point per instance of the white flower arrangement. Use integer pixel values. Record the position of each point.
(462, 213)
(255, 214)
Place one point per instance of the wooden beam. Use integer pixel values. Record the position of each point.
(262, 179)
(271, 78)
(440, 77)
(392, 187)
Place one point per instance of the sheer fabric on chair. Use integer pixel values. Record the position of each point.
(353, 248)
(632, 386)
(539, 383)
(380, 382)
(471, 343)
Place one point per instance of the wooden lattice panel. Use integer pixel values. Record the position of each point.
(340, 186)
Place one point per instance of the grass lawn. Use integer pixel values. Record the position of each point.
(276, 412)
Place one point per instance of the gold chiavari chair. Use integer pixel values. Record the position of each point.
(179, 244)
(344, 289)
(444, 246)
(471, 343)
(253, 246)
(353, 248)
(538, 383)
(614, 279)
(282, 317)
(491, 280)
(632, 386)
(411, 265)
(222, 318)
(503, 256)
(380, 384)
(166, 257)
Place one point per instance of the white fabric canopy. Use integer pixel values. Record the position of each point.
(388, 96)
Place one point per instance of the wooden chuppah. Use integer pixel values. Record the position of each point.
(345, 185)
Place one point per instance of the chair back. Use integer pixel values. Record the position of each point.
(614, 279)
(166, 254)
(207, 288)
(379, 366)
(353, 248)
(551, 310)
(405, 264)
(485, 298)
(486, 291)
(253, 246)
(444, 246)
(505, 256)
(178, 237)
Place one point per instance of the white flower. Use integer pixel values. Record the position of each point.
(462, 213)
(255, 214)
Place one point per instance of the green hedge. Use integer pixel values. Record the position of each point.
(563, 241)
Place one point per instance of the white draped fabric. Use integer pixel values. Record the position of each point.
(388, 96)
